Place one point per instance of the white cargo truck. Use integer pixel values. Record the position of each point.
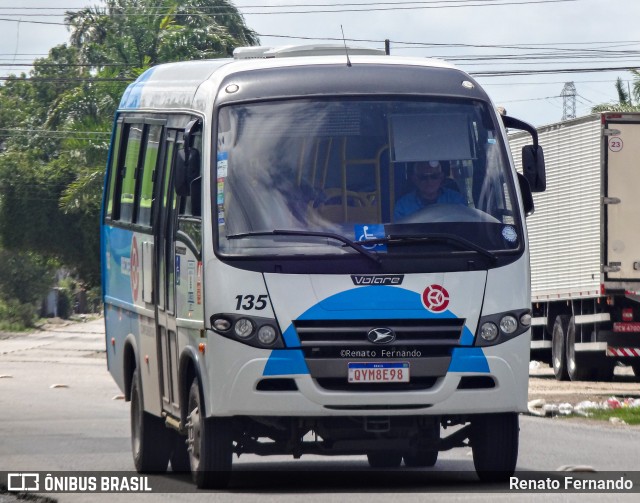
(585, 246)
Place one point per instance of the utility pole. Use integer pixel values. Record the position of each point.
(568, 101)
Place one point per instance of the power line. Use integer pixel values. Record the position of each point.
(504, 73)
(362, 8)
(529, 46)
(281, 6)
(32, 22)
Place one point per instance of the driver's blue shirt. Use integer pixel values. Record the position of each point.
(412, 202)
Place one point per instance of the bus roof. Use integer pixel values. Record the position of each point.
(177, 85)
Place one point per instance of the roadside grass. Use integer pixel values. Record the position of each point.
(630, 415)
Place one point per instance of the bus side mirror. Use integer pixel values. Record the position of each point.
(527, 197)
(533, 167)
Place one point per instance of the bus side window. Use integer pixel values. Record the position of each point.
(189, 220)
(149, 163)
(187, 206)
(129, 171)
(112, 195)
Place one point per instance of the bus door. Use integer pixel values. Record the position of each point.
(166, 329)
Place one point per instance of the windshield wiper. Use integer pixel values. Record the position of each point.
(436, 237)
(330, 235)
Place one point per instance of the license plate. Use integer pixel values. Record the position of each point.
(378, 372)
(628, 326)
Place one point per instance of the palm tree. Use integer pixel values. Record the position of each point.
(625, 101)
(141, 33)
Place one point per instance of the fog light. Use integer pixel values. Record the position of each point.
(267, 335)
(489, 331)
(243, 328)
(525, 319)
(508, 324)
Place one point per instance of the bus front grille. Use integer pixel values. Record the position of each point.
(350, 333)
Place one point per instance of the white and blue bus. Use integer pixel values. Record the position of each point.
(264, 293)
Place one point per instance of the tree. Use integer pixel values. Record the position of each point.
(625, 99)
(59, 117)
(25, 278)
(143, 33)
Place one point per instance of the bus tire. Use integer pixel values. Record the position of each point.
(421, 459)
(384, 459)
(150, 439)
(558, 348)
(210, 444)
(494, 444)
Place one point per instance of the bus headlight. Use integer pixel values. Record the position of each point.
(243, 328)
(489, 331)
(253, 331)
(501, 327)
(508, 324)
(267, 335)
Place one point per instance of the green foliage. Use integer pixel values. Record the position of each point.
(59, 118)
(625, 101)
(15, 317)
(623, 95)
(143, 33)
(25, 277)
(630, 415)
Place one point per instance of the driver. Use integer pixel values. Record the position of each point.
(427, 178)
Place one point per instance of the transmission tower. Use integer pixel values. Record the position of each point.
(568, 101)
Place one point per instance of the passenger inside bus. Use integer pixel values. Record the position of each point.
(427, 178)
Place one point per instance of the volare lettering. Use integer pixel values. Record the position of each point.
(395, 279)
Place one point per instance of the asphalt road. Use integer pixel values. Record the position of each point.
(61, 411)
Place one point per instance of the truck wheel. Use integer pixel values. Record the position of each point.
(150, 439)
(558, 348)
(384, 459)
(210, 444)
(494, 444)
(577, 369)
(421, 459)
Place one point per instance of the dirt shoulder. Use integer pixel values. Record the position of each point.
(543, 385)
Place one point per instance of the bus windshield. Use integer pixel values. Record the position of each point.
(391, 175)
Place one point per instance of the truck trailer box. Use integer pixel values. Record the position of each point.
(585, 250)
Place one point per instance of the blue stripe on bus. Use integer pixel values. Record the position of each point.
(373, 303)
(385, 302)
(133, 93)
(468, 360)
(285, 362)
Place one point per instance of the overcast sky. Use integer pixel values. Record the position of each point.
(578, 33)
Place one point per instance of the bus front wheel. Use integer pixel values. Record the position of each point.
(210, 444)
(494, 444)
(150, 439)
